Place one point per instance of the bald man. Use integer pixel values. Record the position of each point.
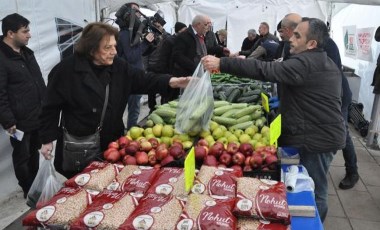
(288, 24)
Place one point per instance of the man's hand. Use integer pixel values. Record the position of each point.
(12, 130)
(179, 82)
(211, 63)
(46, 150)
(149, 37)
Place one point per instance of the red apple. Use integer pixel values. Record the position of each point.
(256, 161)
(154, 142)
(157, 166)
(114, 145)
(152, 157)
(200, 152)
(247, 168)
(216, 149)
(135, 143)
(177, 143)
(210, 160)
(161, 153)
(112, 156)
(145, 146)
(162, 145)
(271, 149)
(238, 171)
(141, 158)
(238, 158)
(122, 152)
(232, 148)
(225, 158)
(202, 142)
(129, 160)
(131, 149)
(246, 149)
(247, 161)
(176, 151)
(271, 161)
(122, 141)
(167, 160)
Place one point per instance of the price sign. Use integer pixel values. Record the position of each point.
(275, 130)
(189, 170)
(265, 102)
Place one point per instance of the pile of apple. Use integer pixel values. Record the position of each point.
(235, 155)
(143, 151)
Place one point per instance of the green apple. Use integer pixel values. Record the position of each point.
(227, 134)
(259, 144)
(157, 130)
(265, 141)
(204, 133)
(238, 132)
(255, 128)
(257, 136)
(250, 131)
(149, 136)
(167, 131)
(213, 125)
(149, 123)
(232, 138)
(223, 128)
(244, 138)
(264, 129)
(135, 132)
(224, 140)
(187, 144)
(166, 140)
(217, 133)
(148, 131)
(210, 139)
(253, 142)
(184, 137)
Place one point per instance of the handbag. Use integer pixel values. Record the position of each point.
(78, 152)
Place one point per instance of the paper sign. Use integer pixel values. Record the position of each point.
(189, 170)
(18, 135)
(275, 130)
(265, 102)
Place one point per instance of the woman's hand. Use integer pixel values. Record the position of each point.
(46, 150)
(211, 63)
(179, 82)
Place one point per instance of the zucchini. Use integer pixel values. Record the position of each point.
(247, 111)
(201, 109)
(156, 118)
(242, 126)
(165, 112)
(220, 110)
(230, 113)
(218, 104)
(244, 119)
(224, 120)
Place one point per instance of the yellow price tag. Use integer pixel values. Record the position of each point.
(265, 102)
(275, 130)
(189, 170)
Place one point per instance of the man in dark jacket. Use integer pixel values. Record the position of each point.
(190, 47)
(21, 91)
(310, 99)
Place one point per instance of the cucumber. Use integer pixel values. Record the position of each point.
(234, 95)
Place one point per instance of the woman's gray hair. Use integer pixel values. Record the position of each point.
(252, 31)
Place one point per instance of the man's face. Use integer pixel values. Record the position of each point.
(251, 36)
(299, 42)
(204, 26)
(287, 33)
(263, 30)
(21, 37)
(281, 33)
(106, 51)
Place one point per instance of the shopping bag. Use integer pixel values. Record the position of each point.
(196, 104)
(44, 186)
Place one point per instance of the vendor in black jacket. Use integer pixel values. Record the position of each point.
(77, 88)
(21, 91)
(310, 99)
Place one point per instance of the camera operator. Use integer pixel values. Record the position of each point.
(151, 57)
(130, 46)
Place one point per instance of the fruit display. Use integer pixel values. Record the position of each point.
(156, 146)
(241, 157)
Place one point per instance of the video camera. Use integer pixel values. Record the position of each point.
(150, 22)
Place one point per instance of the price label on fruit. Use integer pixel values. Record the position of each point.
(265, 102)
(275, 130)
(189, 169)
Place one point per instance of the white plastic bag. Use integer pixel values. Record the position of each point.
(297, 179)
(44, 186)
(196, 104)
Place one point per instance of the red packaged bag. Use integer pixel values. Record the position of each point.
(109, 210)
(133, 178)
(154, 212)
(62, 209)
(245, 223)
(97, 176)
(219, 183)
(262, 199)
(169, 181)
(204, 212)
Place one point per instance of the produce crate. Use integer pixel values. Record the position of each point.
(269, 174)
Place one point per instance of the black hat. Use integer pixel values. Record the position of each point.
(178, 26)
(377, 34)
